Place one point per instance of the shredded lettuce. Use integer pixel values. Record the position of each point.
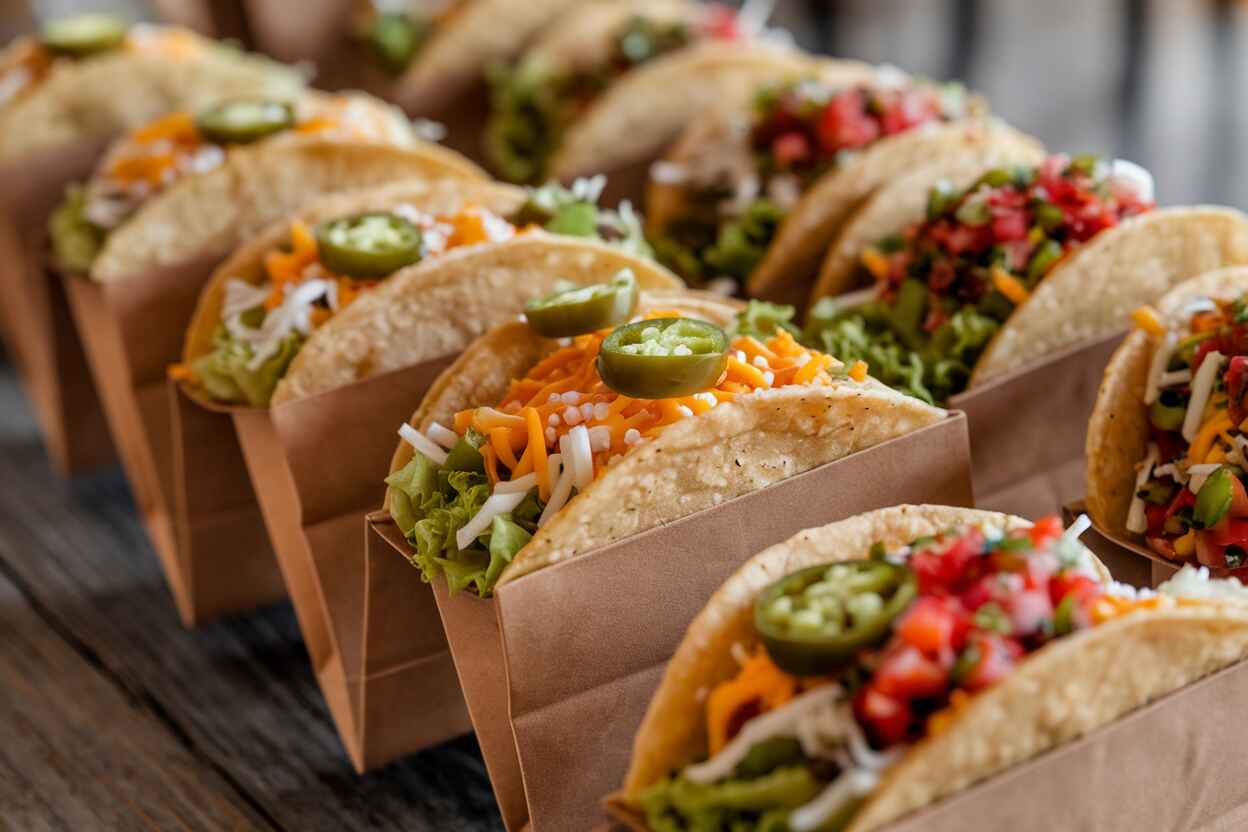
(431, 503)
(757, 803)
(702, 246)
(760, 319)
(529, 107)
(225, 373)
(76, 241)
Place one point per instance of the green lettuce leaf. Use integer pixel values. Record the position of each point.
(761, 319)
(76, 241)
(743, 242)
(225, 373)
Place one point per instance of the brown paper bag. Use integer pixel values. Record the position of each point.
(34, 319)
(317, 465)
(1028, 430)
(1171, 765)
(133, 330)
(583, 643)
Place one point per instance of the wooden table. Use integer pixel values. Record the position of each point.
(114, 717)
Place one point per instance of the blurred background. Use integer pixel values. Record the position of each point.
(1156, 81)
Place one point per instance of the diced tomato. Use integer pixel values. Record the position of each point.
(722, 23)
(1044, 530)
(1204, 348)
(1237, 388)
(887, 719)
(907, 674)
(846, 124)
(996, 660)
(1008, 226)
(790, 149)
(939, 571)
(1029, 611)
(1072, 583)
(934, 625)
(1239, 498)
(1156, 517)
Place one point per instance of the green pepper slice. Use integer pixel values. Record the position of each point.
(245, 121)
(663, 358)
(367, 245)
(817, 619)
(1168, 411)
(583, 309)
(1213, 501)
(85, 34)
(395, 38)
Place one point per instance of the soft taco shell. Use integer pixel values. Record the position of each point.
(262, 182)
(792, 260)
(1067, 689)
(247, 262)
(124, 89)
(900, 203)
(736, 448)
(1118, 431)
(1090, 294)
(436, 308)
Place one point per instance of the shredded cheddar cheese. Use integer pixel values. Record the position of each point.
(1009, 285)
(876, 262)
(758, 687)
(1199, 451)
(1147, 319)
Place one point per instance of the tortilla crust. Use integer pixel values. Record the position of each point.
(902, 202)
(260, 183)
(437, 308)
(1061, 692)
(247, 262)
(1118, 431)
(792, 259)
(486, 32)
(630, 123)
(483, 372)
(1090, 294)
(124, 89)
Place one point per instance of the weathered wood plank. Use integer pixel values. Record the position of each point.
(240, 693)
(78, 753)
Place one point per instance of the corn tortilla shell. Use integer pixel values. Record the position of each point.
(792, 261)
(1118, 432)
(247, 262)
(1089, 294)
(438, 307)
(1065, 690)
(736, 448)
(262, 182)
(898, 204)
(124, 89)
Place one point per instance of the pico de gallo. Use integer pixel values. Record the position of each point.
(944, 286)
(475, 491)
(532, 102)
(853, 662)
(737, 192)
(146, 161)
(395, 33)
(324, 269)
(1189, 501)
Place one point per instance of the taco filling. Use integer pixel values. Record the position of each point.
(477, 490)
(395, 33)
(532, 103)
(150, 159)
(853, 662)
(323, 269)
(1189, 501)
(945, 286)
(27, 61)
(739, 191)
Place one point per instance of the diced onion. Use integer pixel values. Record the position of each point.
(520, 485)
(1161, 357)
(1202, 387)
(445, 437)
(1137, 522)
(493, 507)
(1176, 377)
(423, 444)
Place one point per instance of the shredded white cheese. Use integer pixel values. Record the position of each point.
(1135, 177)
(423, 444)
(497, 504)
(520, 485)
(1137, 522)
(444, 436)
(1157, 368)
(1202, 387)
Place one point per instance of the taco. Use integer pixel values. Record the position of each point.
(756, 193)
(186, 184)
(93, 76)
(1023, 263)
(530, 450)
(463, 257)
(1166, 439)
(868, 668)
(612, 83)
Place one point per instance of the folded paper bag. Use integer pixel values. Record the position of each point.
(1173, 765)
(1027, 430)
(35, 321)
(132, 330)
(313, 499)
(584, 642)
